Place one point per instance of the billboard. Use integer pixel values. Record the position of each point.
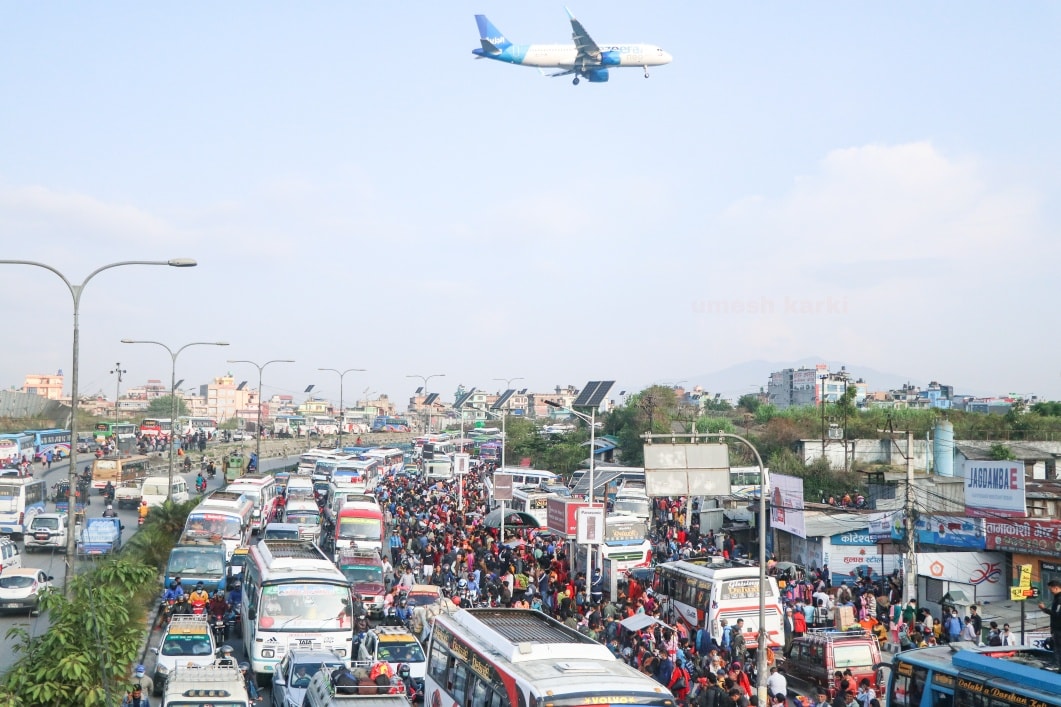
(1033, 537)
(945, 531)
(589, 526)
(994, 488)
(786, 504)
(687, 470)
(502, 487)
(561, 516)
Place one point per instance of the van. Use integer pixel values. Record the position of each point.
(156, 489)
(817, 655)
(10, 555)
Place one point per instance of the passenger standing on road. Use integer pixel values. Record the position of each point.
(135, 697)
(1055, 618)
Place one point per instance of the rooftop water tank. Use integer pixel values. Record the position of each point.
(943, 448)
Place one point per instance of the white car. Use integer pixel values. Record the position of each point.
(395, 645)
(21, 587)
(47, 531)
(188, 641)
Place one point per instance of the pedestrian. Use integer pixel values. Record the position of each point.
(1055, 618)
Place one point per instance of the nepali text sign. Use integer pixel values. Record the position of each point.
(1034, 537)
(994, 488)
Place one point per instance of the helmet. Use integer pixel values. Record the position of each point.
(226, 650)
(219, 593)
(244, 667)
(109, 507)
(463, 584)
(403, 670)
(198, 585)
(403, 601)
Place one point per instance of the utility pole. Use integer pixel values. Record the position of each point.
(910, 566)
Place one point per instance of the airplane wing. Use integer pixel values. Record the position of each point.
(587, 48)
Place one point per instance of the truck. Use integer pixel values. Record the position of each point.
(127, 495)
(232, 465)
(100, 537)
(193, 686)
(322, 692)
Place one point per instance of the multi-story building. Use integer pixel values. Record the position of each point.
(798, 387)
(44, 385)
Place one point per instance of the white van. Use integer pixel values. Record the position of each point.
(156, 489)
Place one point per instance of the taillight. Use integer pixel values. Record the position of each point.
(21, 517)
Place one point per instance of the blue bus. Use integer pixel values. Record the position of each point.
(383, 423)
(55, 441)
(21, 499)
(16, 447)
(962, 675)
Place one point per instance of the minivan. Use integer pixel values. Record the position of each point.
(817, 655)
(155, 490)
(10, 555)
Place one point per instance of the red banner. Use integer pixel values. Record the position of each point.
(1035, 537)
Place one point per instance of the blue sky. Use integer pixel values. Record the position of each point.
(870, 183)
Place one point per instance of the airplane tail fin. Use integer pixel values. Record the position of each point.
(490, 37)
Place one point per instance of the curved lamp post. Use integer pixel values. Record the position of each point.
(425, 379)
(75, 293)
(342, 411)
(173, 394)
(258, 429)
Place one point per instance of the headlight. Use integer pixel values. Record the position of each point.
(341, 652)
(268, 653)
(162, 669)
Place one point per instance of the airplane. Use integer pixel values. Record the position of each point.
(585, 59)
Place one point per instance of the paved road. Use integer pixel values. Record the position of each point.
(55, 563)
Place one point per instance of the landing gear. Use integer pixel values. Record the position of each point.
(574, 81)
(646, 72)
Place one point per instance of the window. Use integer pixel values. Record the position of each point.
(460, 683)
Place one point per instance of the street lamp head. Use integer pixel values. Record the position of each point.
(219, 343)
(182, 263)
(128, 341)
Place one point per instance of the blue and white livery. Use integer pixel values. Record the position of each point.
(585, 58)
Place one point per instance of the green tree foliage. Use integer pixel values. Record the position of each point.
(1001, 452)
(162, 407)
(749, 403)
(95, 635)
(1047, 408)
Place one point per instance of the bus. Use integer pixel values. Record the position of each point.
(384, 423)
(391, 460)
(360, 473)
(223, 516)
(116, 430)
(156, 427)
(323, 426)
(16, 447)
(704, 590)
(490, 452)
(502, 657)
(116, 470)
(261, 488)
(293, 597)
(520, 477)
(55, 441)
(191, 425)
(21, 499)
(532, 500)
(989, 676)
(289, 425)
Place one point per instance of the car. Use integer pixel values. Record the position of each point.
(239, 436)
(187, 641)
(395, 645)
(280, 531)
(294, 671)
(819, 653)
(427, 602)
(364, 569)
(10, 555)
(47, 531)
(21, 588)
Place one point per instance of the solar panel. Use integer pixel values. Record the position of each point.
(459, 402)
(242, 385)
(430, 399)
(308, 388)
(500, 403)
(593, 394)
(420, 390)
(523, 392)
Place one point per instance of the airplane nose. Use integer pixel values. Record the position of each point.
(666, 57)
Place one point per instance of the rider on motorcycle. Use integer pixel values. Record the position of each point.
(217, 605)
(200, 482)
(143, 510)
(405, 675)
(108, 491)
(199, 597)
(404, 612)
(110, 512)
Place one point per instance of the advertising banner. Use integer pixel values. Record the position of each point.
(1033, 537)
(945, 531)
(994, 488)
(502, 486)
(589, 526)
(561, 516)
(786, 504)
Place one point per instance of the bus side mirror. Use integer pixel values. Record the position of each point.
(252, 613)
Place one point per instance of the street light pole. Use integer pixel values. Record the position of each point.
(425, 379)
(258, 430)
(75, 293)
(504, 416)
(342, 410)
(173, 393)
(117, 391)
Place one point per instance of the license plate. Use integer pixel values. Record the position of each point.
(12, 606)
(42, 536)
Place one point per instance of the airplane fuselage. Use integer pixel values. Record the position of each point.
(565, 56)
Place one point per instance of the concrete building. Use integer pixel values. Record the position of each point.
(45, 385)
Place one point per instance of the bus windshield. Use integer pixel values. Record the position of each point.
(228, 527)
(359, 529)
(199, 562)
(298, 606)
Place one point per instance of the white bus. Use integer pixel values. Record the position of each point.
(391, 461)
(357, 473)
(294, 597)
(532, 500)
(520, 477)
(323, 426)
(261, 488)
(21, 499)
(226, 516)
(191, 425)
(702, 591)
(502, 657)
(632, 502)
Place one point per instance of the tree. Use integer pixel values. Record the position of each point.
(1001, 452)
(749, 402)
(162, 407)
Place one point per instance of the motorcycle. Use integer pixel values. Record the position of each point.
(200, 485)
(198, 607)
(165, 611)
(220, 628)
